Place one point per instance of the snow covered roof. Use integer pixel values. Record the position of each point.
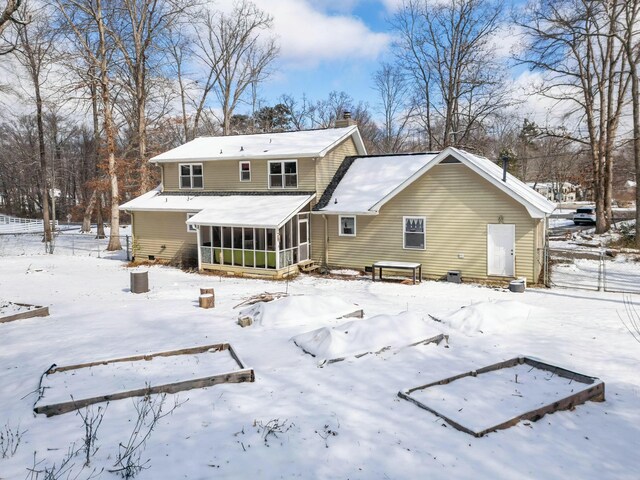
(306, 143)
(370, 179)
(268, 211)
(391, 174)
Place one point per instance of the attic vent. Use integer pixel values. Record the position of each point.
(450, 160)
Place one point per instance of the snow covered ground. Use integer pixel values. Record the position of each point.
(338, 422)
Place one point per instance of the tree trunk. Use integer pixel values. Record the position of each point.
(99, 219)
(109, 127)
(86, 220)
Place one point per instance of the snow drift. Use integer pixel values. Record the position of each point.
(362, 336)
(485, 317)
(296, 310)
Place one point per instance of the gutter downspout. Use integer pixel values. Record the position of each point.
(133, 236)
(326, 242)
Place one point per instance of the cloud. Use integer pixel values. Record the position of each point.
(392, 5)
(543, 110)
(308, 36)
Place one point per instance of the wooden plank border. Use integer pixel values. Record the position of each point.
(239, 376)
(594, 391)
(39, 311)
(437, 339)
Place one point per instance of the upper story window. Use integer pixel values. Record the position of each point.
(414, 233)
(191, 175)
(283, 174)
(245, 171)
(347, 226)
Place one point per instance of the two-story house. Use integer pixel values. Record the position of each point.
(245, 200)
(266, 204)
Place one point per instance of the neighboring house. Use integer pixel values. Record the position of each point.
(556, 191)
(260, 204)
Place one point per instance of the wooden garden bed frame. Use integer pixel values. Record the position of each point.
(327, 361)
(38, 311)
(239, 376)
(594, 392)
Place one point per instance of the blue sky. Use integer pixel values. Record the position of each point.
(328, 45)
(338, 45)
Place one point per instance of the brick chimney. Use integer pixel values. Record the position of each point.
(345, 121)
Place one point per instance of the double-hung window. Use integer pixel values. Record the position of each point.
(245, 171)
(414, 233)
(283, 174)
(191, 175)
(347, 226)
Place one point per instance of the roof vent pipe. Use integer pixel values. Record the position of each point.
(505, 164)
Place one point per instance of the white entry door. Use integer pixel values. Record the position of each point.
(501, 250)
(303, 242)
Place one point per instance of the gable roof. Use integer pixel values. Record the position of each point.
(284, 145)
(399, 171)
(368, 180)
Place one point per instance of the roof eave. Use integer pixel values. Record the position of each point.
(333, 212)
(157, 160)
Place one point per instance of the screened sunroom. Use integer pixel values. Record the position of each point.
(259, 234)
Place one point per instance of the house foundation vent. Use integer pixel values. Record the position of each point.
(454, 276)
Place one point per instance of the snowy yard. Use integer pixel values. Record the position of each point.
(341, 421)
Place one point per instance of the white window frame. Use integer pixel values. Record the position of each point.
(191, 228)
(282, 162)
(341, 232)
(404, 232)
(190, 165)
(240, 170)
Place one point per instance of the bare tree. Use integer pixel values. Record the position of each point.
(573, 42)
(35, 52)
(448, 51)
(395, 105)
(236, 53)
(301, 112)
(10, 15)
(138, 32)
(83, 15)
(629, 35)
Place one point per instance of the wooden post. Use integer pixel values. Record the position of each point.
(207, 291)
(206, 300)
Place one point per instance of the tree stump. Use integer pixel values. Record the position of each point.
(245, 321)
(139, 281)
(206, 300)
(207, 291)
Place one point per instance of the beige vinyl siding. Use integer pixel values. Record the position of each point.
(224, 175)
(458, 205)
(153, 230)
(327, 166)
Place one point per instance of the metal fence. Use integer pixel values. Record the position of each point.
(64, 243)
(593, 269)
